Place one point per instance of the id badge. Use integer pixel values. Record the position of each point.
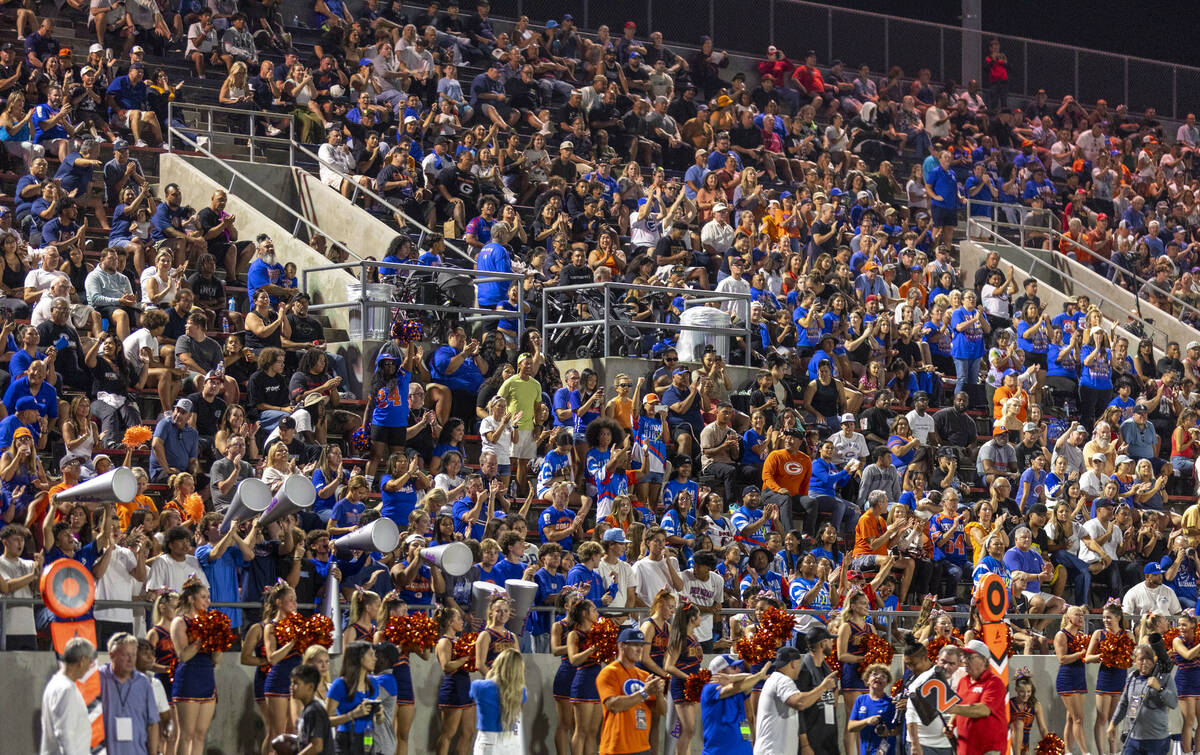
(642, 722)
(829, 714)
(124, 728)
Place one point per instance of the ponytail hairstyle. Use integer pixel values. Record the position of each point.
(508, 672)
(681, 624)
(167, 600)
(359, 602)
(443, 617)
(579, 612)
(392, 602)
(1113, 608)
(566, 601)
(1066, 617)
(660, 599)
(192, 588)
(275, 594)
(1025, 678)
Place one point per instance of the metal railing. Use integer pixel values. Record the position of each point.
(1002, 212)
(174, 133)
(698, 298)
(1063, 274)
(255, 141)
(467, 278)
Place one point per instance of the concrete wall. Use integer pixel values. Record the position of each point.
(195, 177)
(237, 729)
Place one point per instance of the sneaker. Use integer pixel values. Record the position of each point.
(140, 144)
(274, 131)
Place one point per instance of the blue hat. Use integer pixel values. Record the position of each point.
(631, 636)
(365, 62)
(681, 371)
(785, 195)
(1152, 568)
(1010, 371)
(27, 402)
(835, 192)
(614, 535)
(551, 24)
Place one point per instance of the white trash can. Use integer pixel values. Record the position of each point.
(692, 342)
(379, 319)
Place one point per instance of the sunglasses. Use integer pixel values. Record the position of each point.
(624, 385)
(670, 360)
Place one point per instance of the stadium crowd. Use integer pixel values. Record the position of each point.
(910, 427)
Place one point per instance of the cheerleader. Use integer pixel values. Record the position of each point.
(495, 637)
(195, 685)
(684, 655)
(1186, 651)
(394, 606)
(364, 613)
(1110, 680)
(565, 674)
(584, 695)
(657, 629)
(454, 696)
(1023, 711)
(280, 603)
(850, 653)
(1071, 684)
(254, 653)
(166, 605)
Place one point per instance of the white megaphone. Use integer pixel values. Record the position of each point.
(252, 496)
(481, 598)
(454, 558)
(297, 492)
(117, 485)
(381, 535)
(522, 593)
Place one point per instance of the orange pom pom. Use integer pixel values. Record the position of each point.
(875, 650)
(695, 685)
(464, 647)
(420, 633)
(136, 436)
(1116, 650)
(833, 663)
(603, 637)
(778, 624)
(212, 632)
(394, 629)
(1051, 744)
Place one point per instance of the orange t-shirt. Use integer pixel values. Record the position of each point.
(792, 472)
(192, 509)
(1002, 394)
(870, 526)
(629, 730)
(141, 502)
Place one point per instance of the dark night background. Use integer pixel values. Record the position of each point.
(1150, 32)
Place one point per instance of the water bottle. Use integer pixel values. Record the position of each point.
(369, 736)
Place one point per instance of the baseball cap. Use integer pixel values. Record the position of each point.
(650, 398)
(681, 371)
(287, 423)
(750, 489)
(631, 636)
(792, 432)
(566, 145)
(976, 647)
(214, 375)
(630, 25)
(614, 535)
(1099, 457)
(551, 24)
(1140, 408)
(26, 403)
(920, 396)
(96, 47)
(414, 538)
(816, 634)
(847, 417)
(86, 70)
(1193, 345)
(119, 145)
(1077, 428)
(720, 207)
(1124, 459)
(785, 655)
(1010, 371)
(137, 50)
(313, 399)
(1152, 568)
(22, 432)
(1029, 427)
(999, 429)
(365, 62)
(723, 662)
(67, 461)
(184, 404)
(410, 119)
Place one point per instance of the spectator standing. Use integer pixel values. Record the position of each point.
(66, 729)
(127, 697)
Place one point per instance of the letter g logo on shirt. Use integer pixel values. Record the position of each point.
(633, 686)
(793, 468)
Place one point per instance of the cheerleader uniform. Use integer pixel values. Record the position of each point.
(1110, 680)
(455, 691)
(164, 655)
(1023, 712)
(279, 679)
(262, 669)
(658, 645)
(689, 663)
(195, 681)
(402, 674)
(583, 686)
(851, 681)
(497, 637)
(1072, 678)
(1187, 678)
(565, 673)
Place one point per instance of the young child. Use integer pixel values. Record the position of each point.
(347, 511)
(1023, 710)
(145, 664)
(314, 736)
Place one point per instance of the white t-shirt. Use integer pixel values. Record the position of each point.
(208, 40)
(66, 729)
(933, 735)
(160, 695)
(18, 620)
(133, 343)
(777, 729)
(651, 577)
(1141, 599)
(171, 574)
(40, 279)
(1093, 528)
(854, 447)
(922, 425)
(117, 584)
(503, 445)
(620, 573)
(706, 593)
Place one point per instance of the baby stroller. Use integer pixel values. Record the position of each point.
(587, 341)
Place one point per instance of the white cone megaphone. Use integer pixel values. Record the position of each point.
(252, 496)
(381, 535)
(522, 593)
(117, 485)
(454, 558)
(297, 492)
(481, 598)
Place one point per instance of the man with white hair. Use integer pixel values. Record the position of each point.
(127, 697)
(66, 729)
(265, 271)
(82, 315)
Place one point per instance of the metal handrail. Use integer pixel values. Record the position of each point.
(1032, 262)
(175, 133)
(996, 207)
(608, 286)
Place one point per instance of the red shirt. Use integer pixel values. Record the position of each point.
(979, 735)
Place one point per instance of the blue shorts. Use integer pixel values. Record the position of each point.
(653, 478)
(279, 678)
(1111, 681)
(503, 470)
(455, 691)
(260, 684)
(943, 216)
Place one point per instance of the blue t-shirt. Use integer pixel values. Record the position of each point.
(466, 378)
(1061, 362)
(493, 257)
(967, 344)
(41, 114)
(549, 586)
(346, 513)
(945, 185)
(322, 504)
(1037, 344)
(674, 528)
(864, 707)
(1035, 482)
(261, 274)
(582, 575)
(1097, 375)
(46, 398)
(486, 694)
(73, 176)
(720, 722)
(391, 402)
(1029, 561)
(419, 590)
(553, 463)
(128, 96)
(398, 505)
(461, 508)
(222, 575)
(347, 701)
(565, 399)
(674, 487)
(553, 519)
